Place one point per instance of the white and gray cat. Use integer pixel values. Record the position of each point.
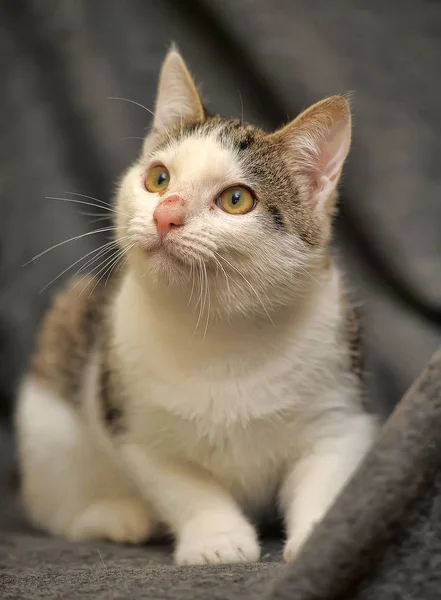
(217, 375)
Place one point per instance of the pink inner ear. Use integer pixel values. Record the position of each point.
(333, 150)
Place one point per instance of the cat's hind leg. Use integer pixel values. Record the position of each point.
(70, 486)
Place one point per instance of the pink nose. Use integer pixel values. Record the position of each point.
(168, 214)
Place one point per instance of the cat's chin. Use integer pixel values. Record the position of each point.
(166, 259)
(171, 256)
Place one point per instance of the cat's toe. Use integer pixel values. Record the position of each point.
(217, 548)
(118, 520)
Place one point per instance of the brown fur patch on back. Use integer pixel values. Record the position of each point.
(352, 337)
(67, 335)
(110, 390)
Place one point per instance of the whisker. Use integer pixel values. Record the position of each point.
(99, 249)
(72, 239)
(74, 201)
(309, 274)
(111, 266)
(102, 265)
(200, 296)
(104, 260)
(122, 257)
(103, 202)
(136, 104)
(113, 259)
(94, 214)
(208, 299)
(95, 258)
(192, 265)
(248, 283)
(227, 281)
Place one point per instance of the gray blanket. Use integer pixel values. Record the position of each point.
(381, 540)
(60, 61)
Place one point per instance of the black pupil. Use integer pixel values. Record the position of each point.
(235, 197)
(162, 178)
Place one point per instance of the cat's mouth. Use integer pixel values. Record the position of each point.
(173, 250)
(171, 254)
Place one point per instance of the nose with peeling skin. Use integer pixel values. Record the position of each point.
(169, 213)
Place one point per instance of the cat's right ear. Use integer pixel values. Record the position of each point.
(316, 144)
(177, 99)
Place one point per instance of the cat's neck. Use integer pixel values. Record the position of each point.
(143, 312)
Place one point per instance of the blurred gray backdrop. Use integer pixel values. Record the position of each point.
(60, 134)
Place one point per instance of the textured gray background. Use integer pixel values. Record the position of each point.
(60, 61)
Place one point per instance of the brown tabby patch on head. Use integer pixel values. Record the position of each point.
(284, 197)
(67, 335)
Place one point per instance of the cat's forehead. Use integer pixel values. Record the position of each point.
(231, 132)
(200, 157)
(210, 150)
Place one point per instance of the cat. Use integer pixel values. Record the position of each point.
(217, 375)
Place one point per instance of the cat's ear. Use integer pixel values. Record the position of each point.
(317, 143)
(177, 98)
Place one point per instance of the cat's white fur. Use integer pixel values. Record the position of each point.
(224, 418)
(250, 407)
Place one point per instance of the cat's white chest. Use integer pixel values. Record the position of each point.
(235, 403)
(213, 425)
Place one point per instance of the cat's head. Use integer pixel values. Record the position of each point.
(216, 203)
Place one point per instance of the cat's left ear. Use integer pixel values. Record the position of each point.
(317, 143)
(177, 98)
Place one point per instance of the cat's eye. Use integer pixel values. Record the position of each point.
(236, 200)
(157, 179)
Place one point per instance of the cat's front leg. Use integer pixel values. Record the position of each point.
(313, 483)
(208, 524)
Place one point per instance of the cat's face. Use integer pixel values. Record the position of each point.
(220, 210)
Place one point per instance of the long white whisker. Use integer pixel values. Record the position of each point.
(113, 260)
(116, 211)
(104, 262)
(309, 274)
(248, 283)
(200, 295)
(122, 256)
(100, 254)
(99, 249)
(103, 202)
(100, 215)
(137, 104)
(208, 299)
(192, 283)
(72, 239)
(227, 281)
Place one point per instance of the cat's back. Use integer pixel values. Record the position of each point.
(67, 335)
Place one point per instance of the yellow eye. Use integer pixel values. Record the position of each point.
(157, 179)
(236, 200)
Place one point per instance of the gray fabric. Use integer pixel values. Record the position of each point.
(61, 61)
(60, 133)
(382, 539)
(386, 55)
(33, 565)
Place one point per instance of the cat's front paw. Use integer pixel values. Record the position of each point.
(238, 545)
